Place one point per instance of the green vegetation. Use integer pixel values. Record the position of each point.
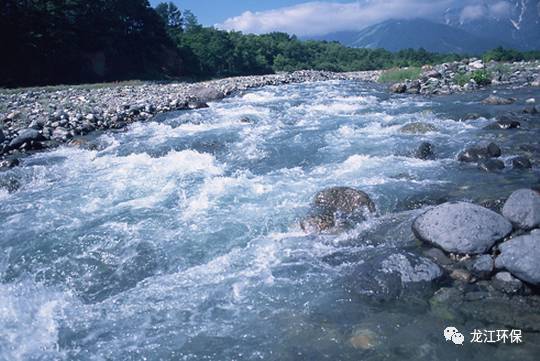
(397, 75)
(48, 42)
(481, 77)
(501, 54)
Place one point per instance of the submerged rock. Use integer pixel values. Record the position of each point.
(490, 165)
(479, 152)
(343, 199)
(507, 283)
(461, 227)
(521, 162)
(418, 128)
(497, 100)
(425, 151)
(523, 208)
(503, 123)
(521, 257)
(336, 207)
(386, 276)
(364, 339)
(482, 266)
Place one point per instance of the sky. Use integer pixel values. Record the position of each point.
(306, 18)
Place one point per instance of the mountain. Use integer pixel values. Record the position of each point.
(419, 33)
(515, 22)
(471, 26)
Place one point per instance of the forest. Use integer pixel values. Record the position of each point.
(49, 42)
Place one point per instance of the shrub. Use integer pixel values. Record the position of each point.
(481, 77)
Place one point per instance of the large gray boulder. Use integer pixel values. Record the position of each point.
(521, 257)
(522, 208)
(461, 227)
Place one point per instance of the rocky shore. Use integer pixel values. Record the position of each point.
(477, 262)
(469, 75)
(38, 119)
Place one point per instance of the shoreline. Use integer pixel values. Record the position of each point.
(38, 119)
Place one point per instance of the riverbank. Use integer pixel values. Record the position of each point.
(41, 118)
(45, 117)
(464, 76)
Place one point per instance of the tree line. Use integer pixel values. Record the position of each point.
(76, 41)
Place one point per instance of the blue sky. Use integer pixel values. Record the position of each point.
(212, 12)
(318, 17)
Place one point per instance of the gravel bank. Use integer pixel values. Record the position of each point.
(32, 119)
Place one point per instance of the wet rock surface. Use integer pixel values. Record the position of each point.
(521, 256)
(523, 208)
(337, 207)
(461, 227)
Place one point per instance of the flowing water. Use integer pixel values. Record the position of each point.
(178, 239)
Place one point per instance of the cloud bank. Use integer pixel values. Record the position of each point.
(323, 17)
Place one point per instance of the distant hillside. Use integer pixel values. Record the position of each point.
(513, 24)
(395, 35)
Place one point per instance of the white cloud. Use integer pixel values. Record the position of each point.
(499, 9)
(313, 18)
(472, 12)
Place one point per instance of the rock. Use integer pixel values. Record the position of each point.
(438, 256)
(411, 269)
(497, 100)
(387, 276)
(206, 94)
(479, 152)
(26, 136)
(418, 128)
(531, 110)
(530, 101)
(503, 123)
(433, 74)
(521, 162)
(318, 223)
(2, 136)
(505, 282)
(364, 339)
(493, 150)
(398, 88)
(9, 163)
(482, 266)
(476, 65)
(337, 207)
(520, 256)
(414, 87)
(60, 133)
(461, 275)
(425, 151)
(197, 105)
(461, 227)
(343, 200)
(9, 183)
(522, 208)
(490, 165)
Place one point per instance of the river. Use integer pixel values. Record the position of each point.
(178, 238)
